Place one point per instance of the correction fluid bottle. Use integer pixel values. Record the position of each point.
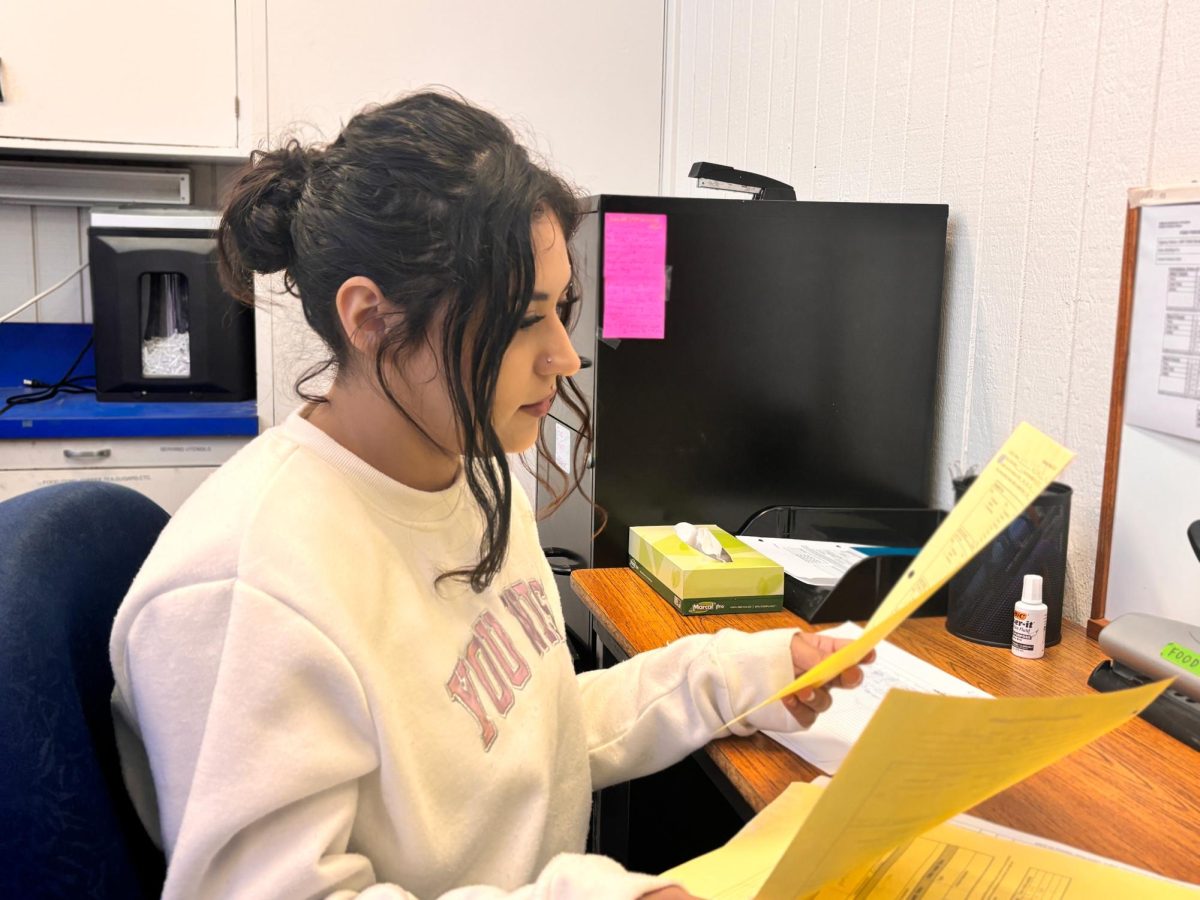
(1029, 621)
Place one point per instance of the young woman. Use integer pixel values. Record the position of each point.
(342, 669)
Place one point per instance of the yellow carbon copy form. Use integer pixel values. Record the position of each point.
(948, 861)
(923, 759)
(1017, 474)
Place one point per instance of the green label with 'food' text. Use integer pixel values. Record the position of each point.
(1188, 660)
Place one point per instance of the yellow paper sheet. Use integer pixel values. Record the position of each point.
(1019, 472)
(925, 758)
(949, 860)
(738, 869)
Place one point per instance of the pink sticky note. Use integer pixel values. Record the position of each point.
(635, 275)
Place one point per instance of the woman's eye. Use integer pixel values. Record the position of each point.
(565, 307)
(562, 310)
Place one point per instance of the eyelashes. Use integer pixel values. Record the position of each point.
(562, 309)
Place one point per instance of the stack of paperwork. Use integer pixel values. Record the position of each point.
(965, 857)
(924, 758)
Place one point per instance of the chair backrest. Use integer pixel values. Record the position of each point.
(68, 554)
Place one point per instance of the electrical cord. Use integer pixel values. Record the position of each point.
(68, 384)
(34, 299)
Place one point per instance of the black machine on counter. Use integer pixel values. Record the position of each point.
(164, 328)
(798, 368)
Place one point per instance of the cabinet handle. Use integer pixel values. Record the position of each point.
(1, 81)
(88, 454)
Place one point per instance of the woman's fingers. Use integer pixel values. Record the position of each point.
(800, 711)
(808, 649)
(820, 701)
(851, 678)
(808, 704)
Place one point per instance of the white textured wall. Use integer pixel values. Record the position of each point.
(1029, 118)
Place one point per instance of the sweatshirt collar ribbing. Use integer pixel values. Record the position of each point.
(397, 500)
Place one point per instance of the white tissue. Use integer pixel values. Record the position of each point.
(700, 538)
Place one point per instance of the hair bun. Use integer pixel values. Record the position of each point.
(257, 224)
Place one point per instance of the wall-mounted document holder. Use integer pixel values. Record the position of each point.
(863, 587)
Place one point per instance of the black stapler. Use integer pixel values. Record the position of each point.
(727, 178)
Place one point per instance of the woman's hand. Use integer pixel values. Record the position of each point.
(808, 649)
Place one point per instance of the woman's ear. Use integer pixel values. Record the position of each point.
(360, 306)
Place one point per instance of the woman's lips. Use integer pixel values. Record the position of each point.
(539, 409)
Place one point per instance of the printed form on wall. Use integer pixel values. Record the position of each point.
(1163, 388)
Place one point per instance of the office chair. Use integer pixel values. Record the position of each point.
(68, 553)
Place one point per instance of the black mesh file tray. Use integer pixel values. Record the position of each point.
(863, 587)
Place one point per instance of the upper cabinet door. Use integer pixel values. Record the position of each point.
(149, 72)
(582, 82)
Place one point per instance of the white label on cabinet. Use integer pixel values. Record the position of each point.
(562, 447)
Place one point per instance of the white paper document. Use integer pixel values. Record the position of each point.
(826, 744)
(993, 829)
(819, 563)
(1162, 389)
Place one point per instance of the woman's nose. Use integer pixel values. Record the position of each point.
(560, 357)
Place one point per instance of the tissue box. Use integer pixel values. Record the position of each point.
(697, 585)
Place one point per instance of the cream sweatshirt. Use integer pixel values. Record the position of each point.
(301, 712)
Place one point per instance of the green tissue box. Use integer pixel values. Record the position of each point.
(698, 585)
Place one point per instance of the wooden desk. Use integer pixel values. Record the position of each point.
(1133, 795)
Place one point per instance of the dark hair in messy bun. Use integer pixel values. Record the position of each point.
(432, 199)
(256, 229)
